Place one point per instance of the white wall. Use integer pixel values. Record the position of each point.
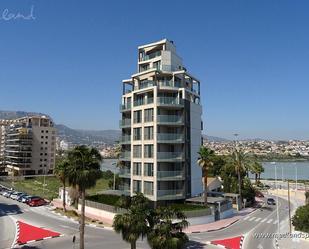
(196, 134)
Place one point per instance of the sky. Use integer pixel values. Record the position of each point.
(69, 57)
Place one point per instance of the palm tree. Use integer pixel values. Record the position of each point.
(133, 224)
(165, 232)
(61, 171)
(241, 164)
(83, 172)
(257, 168)
(205, 161)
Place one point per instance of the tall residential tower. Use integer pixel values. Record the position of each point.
(161, 126)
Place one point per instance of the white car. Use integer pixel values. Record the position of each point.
(15, 195)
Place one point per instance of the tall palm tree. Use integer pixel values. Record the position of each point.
(205, 161)
(84, 171)
(165, 232)
(61, 171)
(241, 163)
(257, 168)
(133, 224)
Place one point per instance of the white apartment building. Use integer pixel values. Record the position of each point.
(161, 127)
(27, 145)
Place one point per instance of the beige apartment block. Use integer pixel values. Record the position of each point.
(161, 127)
(27, 145)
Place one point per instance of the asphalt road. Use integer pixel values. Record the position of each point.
(96, 238)
(263, 220)
(260, 221)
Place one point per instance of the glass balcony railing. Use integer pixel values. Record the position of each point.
(125, 139)
(145, 84)
(124, 172)
(170, 155)
(170, 137)
(143, 102)
(125, 107)
(170, 192)
(125, 123)
(170, 119)
(125, 188)
(126, 155)
(169, 83)
(170, 101)
(170, 174)
(151, 56)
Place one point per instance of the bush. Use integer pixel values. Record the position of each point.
(187, 207)
(105, 199)
(301, 218)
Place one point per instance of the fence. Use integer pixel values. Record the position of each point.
(198, 213)
(105, 207)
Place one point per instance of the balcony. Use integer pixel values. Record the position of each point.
(125, 139)
(146, 84)
(126, 107)
(170, 137)
(170, 101)
(169, 83)
(170, 119)
(170, 156)
(143, 102)
(125, 123)
(125, 173)
(169, 194)
(125, 156)
(171, 175)
(125, 189)
(151, 56)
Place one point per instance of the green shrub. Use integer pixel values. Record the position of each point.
(301, 218)
(105, 199)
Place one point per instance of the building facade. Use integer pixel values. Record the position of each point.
(161, 127)
(27, 145)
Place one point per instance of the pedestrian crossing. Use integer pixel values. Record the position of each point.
(260, 220)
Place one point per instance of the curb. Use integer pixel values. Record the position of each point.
(221, 246)
(241, 241)
(31, 241)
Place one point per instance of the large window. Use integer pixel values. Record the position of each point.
(137, 133)
(137, 117)
(148, 188)
(148, 133)
(148, 115)
(137, 186)
(148, 169)
(148, 151)
(137, 151)
(137, 169)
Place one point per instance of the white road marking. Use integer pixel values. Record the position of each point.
(275, 222)
(251, 219)
(263, 220)
(247, 217)
(258, 219)
(269, 221)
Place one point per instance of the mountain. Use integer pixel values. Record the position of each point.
(87, 136)
(214, 139)
(17, 114)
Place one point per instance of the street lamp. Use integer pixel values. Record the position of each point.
(114, 169)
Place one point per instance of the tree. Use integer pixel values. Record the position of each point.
(61, 171)
(256, 169)
(134, 223)
(241, 163)
(83, 172)
(165, 232)
(205, 161)
(300, 219)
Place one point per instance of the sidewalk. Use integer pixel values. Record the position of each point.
(220, 224)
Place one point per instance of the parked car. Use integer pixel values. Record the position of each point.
(271, 201)
(7, 194)
(35, 202)
(29, 198)
(15, 195)
(21, 197)
(25, 198)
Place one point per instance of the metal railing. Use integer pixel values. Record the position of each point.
(170, 101)
(170, 192)
(170, 155)
(170, 119)
(170, 174)
(178, 137)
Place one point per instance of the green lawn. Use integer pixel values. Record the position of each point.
(105, 199)
(34, 186)
(188, 207)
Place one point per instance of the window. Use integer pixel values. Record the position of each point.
(42, 136)
(42, 131)
(137, 151)
(46, 131)
(46, 142)
(137, 133)
(148, 188)
(137, 169)
(137, 186)
(148, 115)
(46, 137)
(148, 169)
(137, 117)
(148, 133)
(148, 151)
(157, 64)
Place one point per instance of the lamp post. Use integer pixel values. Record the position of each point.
(114, 170)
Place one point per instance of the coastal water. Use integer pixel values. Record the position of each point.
(285, 170)
(109, 164)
